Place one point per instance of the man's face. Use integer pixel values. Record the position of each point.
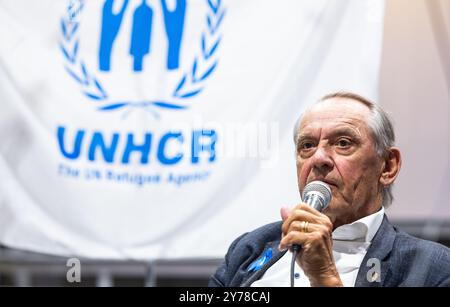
(335, 145)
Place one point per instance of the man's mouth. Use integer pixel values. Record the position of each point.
(331, 183)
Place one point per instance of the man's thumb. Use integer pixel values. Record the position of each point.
(285, 212)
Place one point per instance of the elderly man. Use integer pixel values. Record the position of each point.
(347, 142)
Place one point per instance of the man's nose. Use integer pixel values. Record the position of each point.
(322, 161)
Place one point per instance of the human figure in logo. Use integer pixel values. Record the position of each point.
(110, 27)
(141, 34)
(174, 23)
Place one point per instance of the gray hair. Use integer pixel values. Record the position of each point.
(380, 125)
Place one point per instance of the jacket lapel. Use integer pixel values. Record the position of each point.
(258, 272)
(376, 259)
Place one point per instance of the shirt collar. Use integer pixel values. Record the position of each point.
(362, 230)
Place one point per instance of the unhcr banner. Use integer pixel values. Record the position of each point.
(163, 129)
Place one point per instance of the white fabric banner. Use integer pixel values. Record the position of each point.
(163, 129)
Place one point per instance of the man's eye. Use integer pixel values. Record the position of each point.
(344, 143)
(306, 145)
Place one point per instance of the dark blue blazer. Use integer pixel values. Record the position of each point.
(404, 260)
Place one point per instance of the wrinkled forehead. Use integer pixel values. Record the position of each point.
(336, 111)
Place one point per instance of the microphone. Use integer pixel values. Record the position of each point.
(317, 195)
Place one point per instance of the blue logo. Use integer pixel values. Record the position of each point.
(190, 82)
(260, 262)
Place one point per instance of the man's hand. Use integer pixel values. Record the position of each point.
(312, 230)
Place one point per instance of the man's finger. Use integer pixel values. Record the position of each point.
(305, 227)
(293, 237)
(299, 215)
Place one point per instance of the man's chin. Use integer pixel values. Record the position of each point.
(334, 210)
(329, 212)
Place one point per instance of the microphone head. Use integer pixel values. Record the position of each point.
(320, 191)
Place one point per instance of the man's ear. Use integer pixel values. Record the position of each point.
(392, 164)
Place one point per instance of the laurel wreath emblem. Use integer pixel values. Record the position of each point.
(190, 84)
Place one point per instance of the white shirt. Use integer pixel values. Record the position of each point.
(350, 244)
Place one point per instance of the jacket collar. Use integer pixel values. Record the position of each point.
(276, 255)
(376, 258)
